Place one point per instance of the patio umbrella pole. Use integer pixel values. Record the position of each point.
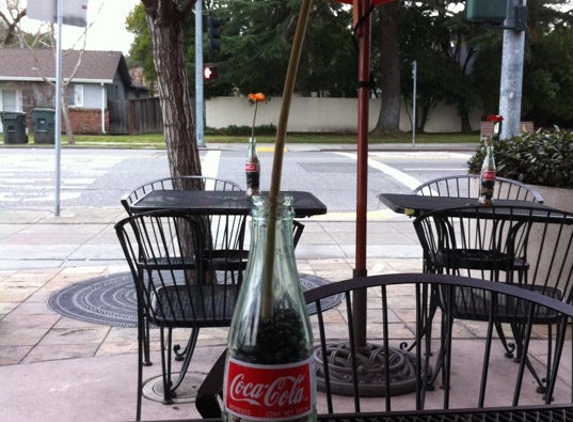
(401, 363)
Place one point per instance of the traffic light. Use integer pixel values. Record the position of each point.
(210, 72)
(214, 32)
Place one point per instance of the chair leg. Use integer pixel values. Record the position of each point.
(146, 341)
(166, 365)
(170, 387)
(140, 364)
(188, 355)
(508, 346)
(519, 336)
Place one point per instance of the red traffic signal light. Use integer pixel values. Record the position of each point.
(210, 72)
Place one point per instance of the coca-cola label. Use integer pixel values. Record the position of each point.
(269, 392)
(488, 175)
(251, 166)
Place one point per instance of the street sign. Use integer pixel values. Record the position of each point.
(74, 11)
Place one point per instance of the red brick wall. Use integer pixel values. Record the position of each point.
(87, 121)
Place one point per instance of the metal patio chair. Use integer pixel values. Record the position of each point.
(399, 313)
(227, 232)
(526, 246)
(169, 261)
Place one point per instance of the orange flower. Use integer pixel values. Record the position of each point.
(255, 98)
(495, 118)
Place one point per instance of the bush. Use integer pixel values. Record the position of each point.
(234, 130)
(539, 158)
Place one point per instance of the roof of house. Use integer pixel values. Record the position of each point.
(22, 64)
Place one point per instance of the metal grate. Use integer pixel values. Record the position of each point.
(514, 415)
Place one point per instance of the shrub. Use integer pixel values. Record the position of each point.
(539, 158)
(234, 130)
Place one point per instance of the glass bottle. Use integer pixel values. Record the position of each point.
(252, 169)
(268, 373)
(487, 178)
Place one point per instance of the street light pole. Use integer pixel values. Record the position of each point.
(199, 101)
(510, 90)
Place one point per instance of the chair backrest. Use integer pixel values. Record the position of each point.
(227, 232)
(178, 183)
(467, 186)
(165, 251)
(527, 245)
(353, 352)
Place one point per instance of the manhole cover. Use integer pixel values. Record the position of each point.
(186, 393)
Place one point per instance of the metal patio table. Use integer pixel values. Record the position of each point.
(415, 205)
(305, 204)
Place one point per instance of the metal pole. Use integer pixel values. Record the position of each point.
(359, 297)
(58, 117)
(199, 102)
(414, 76)
(510, 90)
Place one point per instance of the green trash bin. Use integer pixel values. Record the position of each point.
(43, 120)
(14, 127)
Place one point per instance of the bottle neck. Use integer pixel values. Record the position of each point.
(283, 226)
(252, 147)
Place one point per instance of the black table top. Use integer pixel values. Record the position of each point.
(415, 205)
(545, 413)
(305, 204)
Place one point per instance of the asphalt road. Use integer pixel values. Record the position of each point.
(99, 177)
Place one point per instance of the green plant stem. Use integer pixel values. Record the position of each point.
(254, 119)
(290, 80)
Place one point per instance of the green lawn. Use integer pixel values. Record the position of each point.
(158, 141)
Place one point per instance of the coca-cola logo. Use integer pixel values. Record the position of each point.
(269, 391)
(488, 175)
(281, 392)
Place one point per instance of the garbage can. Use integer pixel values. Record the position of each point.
(14, 127)
(43, 120)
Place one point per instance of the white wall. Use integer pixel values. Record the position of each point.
(311, 114)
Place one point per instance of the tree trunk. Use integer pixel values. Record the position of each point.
(164, 20)
(66, 117)
(389, 117)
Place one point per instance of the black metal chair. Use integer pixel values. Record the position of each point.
(467, 186)
(169, 259)
(227, 232)
(474, 376)
(525, 246)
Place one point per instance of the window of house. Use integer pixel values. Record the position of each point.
(10, 100)
(75, 95)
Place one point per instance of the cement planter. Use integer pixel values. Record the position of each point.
(559, 198)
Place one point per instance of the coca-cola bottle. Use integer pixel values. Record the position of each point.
(487, 178)
(269, 373)
(252, 169)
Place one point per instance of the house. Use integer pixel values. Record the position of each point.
(100, 82)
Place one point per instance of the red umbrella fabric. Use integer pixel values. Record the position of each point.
(374, 2)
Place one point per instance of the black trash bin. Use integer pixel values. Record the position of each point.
(43, 120)
(14, 127)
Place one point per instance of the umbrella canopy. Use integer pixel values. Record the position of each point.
(373, 2)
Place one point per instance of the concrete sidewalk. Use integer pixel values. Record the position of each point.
(54, 368)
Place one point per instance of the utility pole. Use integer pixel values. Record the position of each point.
(199, 100)
(510, 90)
(414, 82)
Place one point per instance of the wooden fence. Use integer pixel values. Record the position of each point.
(134, 117)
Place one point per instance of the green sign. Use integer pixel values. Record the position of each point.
(486, 10)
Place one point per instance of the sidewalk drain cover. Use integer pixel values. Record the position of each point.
(111, 299)
(186, 393)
